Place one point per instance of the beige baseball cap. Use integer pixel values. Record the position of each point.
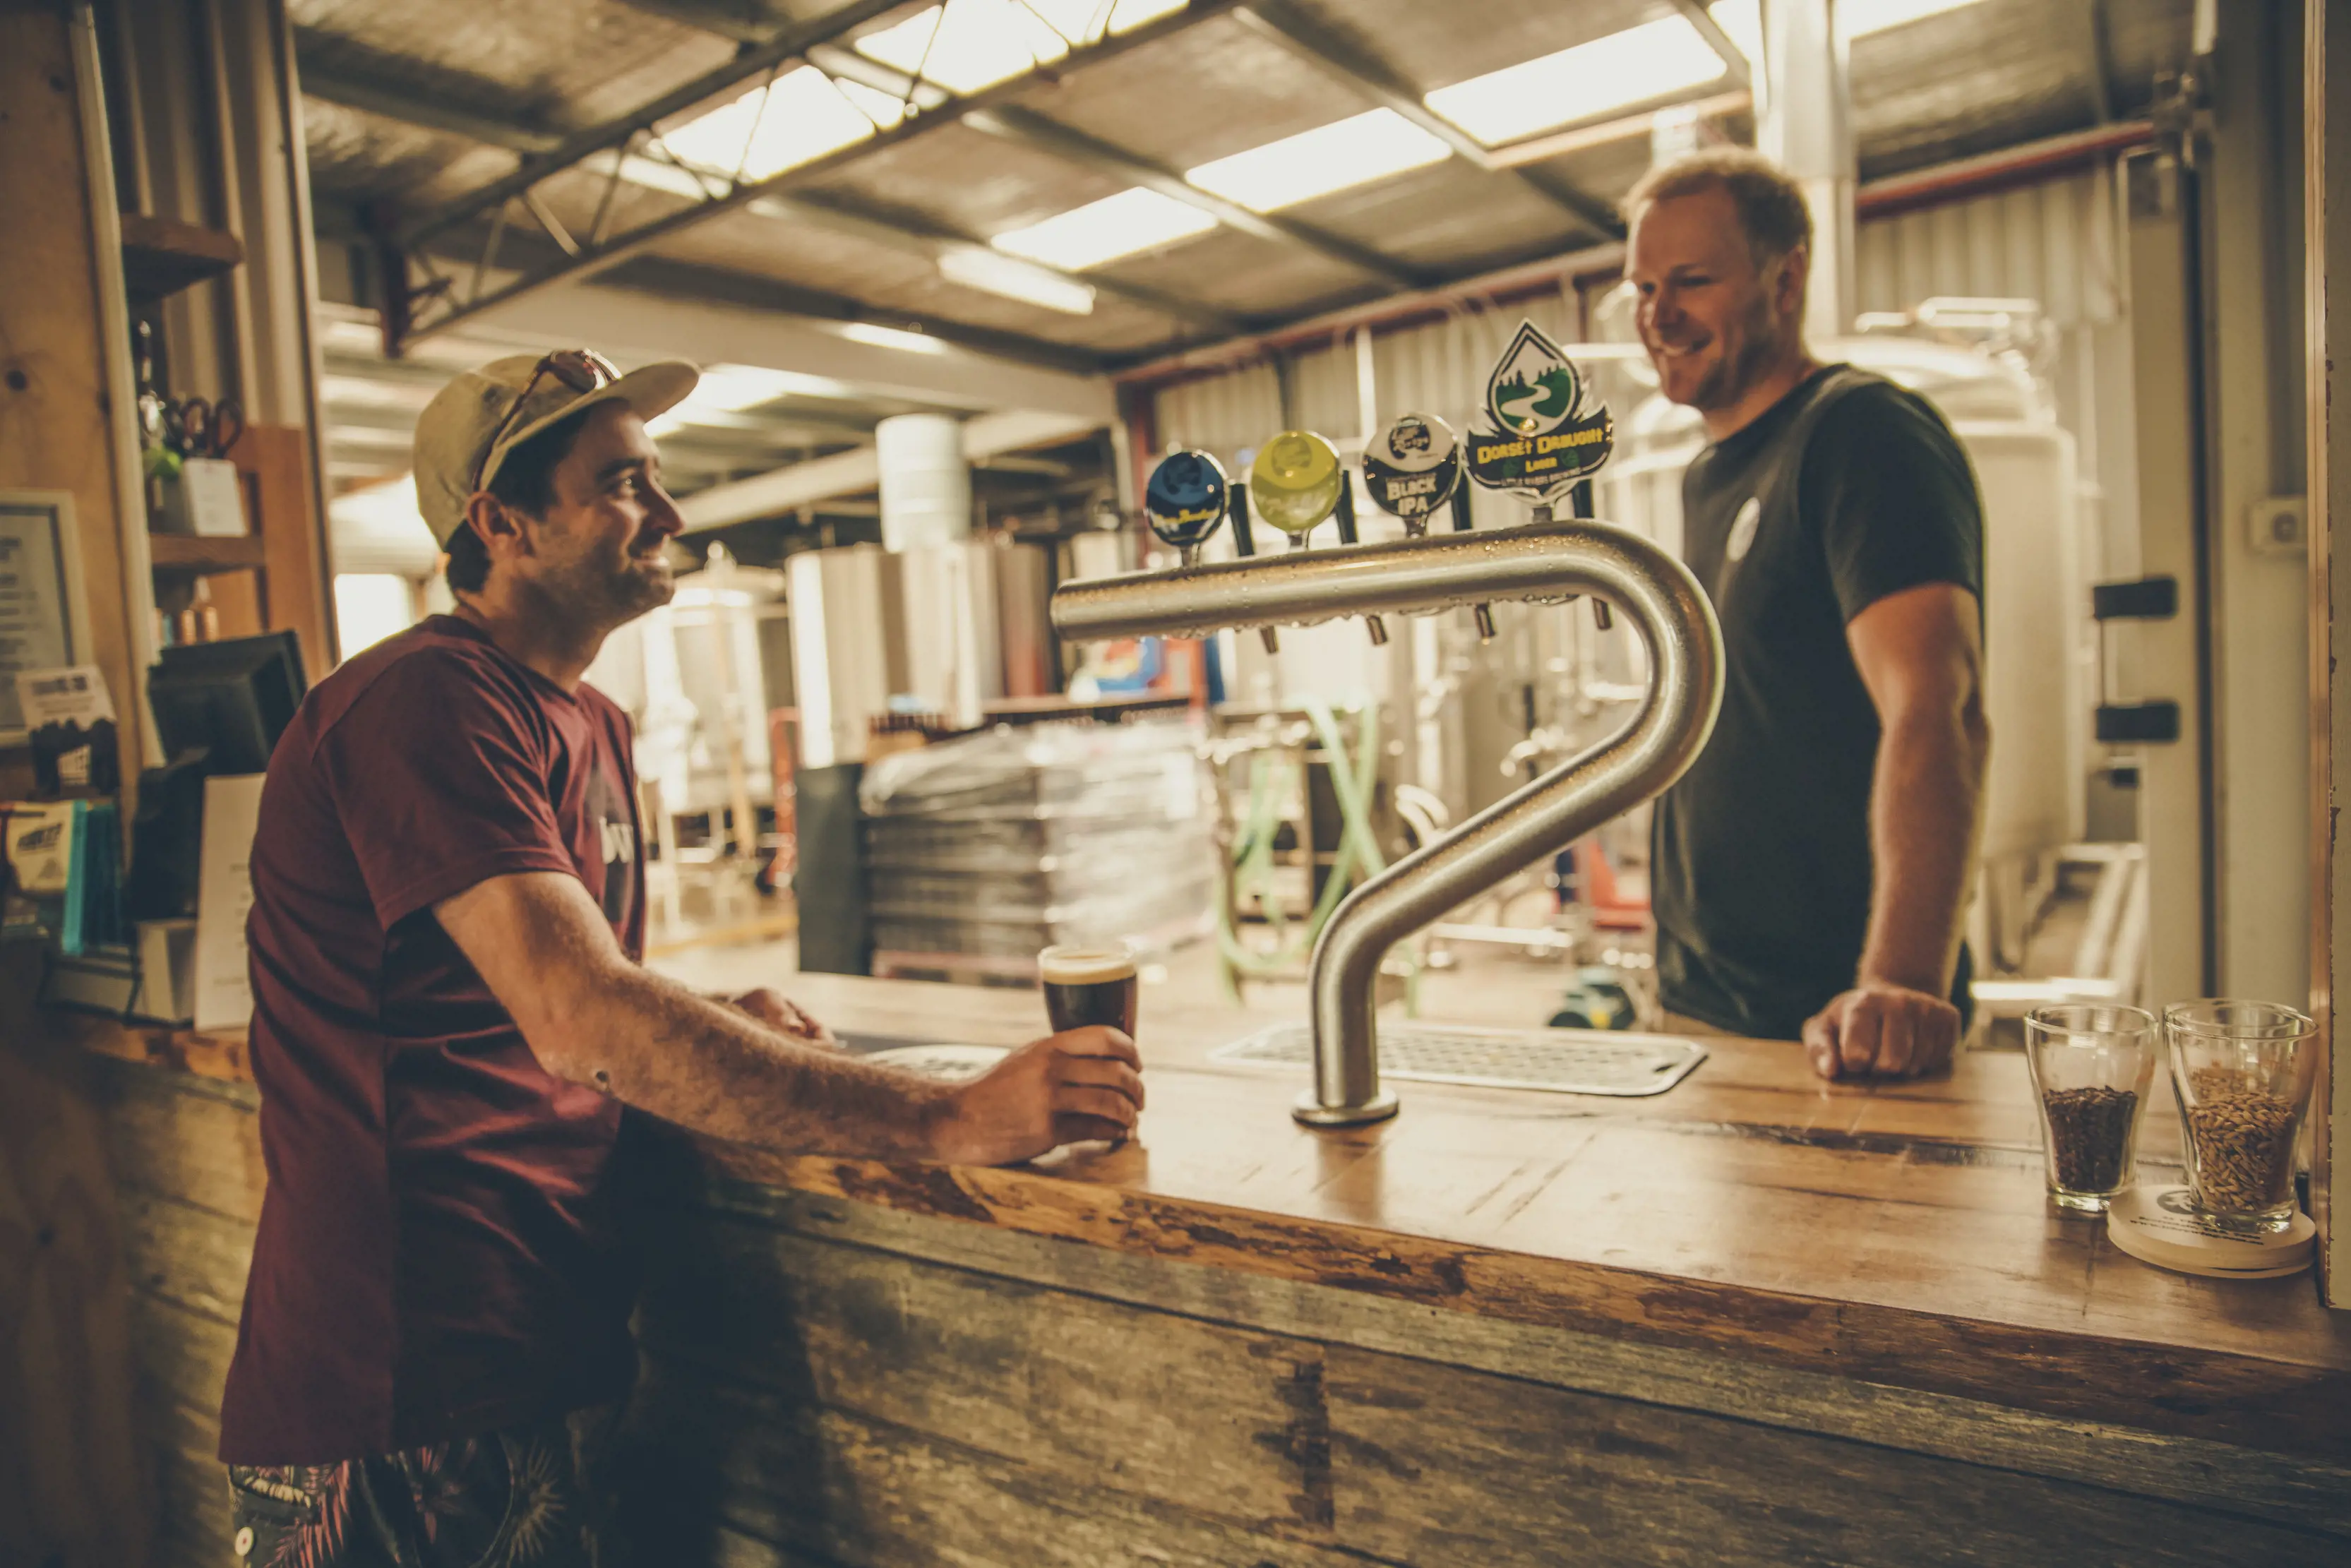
(466, 431)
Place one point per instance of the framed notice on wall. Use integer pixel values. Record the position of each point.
(44, 610)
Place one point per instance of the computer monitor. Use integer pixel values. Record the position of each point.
(233, 698)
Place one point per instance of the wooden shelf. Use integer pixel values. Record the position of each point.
(161, 256)
(195, 555)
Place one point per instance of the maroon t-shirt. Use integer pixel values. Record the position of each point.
(435, 1254)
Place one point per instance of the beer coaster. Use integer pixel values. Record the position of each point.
(2160, 1226)
(948, 1064)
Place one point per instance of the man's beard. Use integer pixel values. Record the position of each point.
(1733, 376)
(592, 593)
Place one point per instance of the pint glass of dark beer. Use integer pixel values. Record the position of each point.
(1092, 984)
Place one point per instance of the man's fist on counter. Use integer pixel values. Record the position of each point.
(1879, 1030)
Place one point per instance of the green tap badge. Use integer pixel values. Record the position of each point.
(1538, 437)
(1295, 482)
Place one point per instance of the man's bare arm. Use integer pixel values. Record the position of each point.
(1920, 655)
(592, 1016)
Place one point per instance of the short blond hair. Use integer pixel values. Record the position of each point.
(1770, 204)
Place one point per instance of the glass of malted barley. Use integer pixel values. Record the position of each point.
(2093, 1063)
(2242, 1072)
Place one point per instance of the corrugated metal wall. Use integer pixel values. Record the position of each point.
(1437, 369)
(2054, 242)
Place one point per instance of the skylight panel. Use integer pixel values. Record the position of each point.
(1133, 14)
(1352, 152)
(885, 110)
(1743, 19)
(654, 175)
(967, 44)
(1010, 277)
(1639, 63)
(1858, 17)
(1134, 220)
(799, 118)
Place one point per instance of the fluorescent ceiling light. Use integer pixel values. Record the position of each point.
(1644, 62)
(1134, 220)
(730, 389)
(800, 116)
(892, 338)
(993, 272)
(1315, 163)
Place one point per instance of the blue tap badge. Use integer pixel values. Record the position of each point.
(1185, 499)
(1538, 438)
(1412, 468)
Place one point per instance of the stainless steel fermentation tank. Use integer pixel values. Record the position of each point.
(1544, 562)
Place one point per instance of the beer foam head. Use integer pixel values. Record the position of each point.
(1091, 964)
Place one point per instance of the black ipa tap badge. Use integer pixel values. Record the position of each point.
(1412, 467)
(1536, 435)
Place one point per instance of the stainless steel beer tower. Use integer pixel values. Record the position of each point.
(1543, 563)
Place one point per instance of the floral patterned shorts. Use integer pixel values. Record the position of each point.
(525, 1497)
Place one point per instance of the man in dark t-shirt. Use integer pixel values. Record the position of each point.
(1811, 870)
(449, 1016)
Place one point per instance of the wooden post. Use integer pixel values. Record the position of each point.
(2326, 239)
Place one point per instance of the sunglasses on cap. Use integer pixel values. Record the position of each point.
(583, 370)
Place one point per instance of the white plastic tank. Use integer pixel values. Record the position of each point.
(926, 481)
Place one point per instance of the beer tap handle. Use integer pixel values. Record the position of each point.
(1580, 501)
(1347, 536)
(1346, 514)
(1246, 544)
(1483, 614)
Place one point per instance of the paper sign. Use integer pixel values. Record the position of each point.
(223, 897)
(78, 696)
(215, 501)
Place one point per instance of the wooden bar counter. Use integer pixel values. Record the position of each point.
(1757, 1319)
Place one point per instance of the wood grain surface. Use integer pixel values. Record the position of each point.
(1894, 1234)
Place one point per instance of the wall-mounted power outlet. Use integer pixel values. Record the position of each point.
(2278, 524)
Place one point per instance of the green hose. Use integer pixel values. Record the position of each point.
(1351, 781)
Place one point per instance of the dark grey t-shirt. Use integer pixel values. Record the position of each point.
(1848, 490)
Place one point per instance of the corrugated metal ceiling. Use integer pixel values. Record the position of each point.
(442, 80)
(1987, 75)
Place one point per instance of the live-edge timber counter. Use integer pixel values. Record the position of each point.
(1755, 1320)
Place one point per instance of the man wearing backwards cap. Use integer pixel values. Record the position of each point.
(449, 1015)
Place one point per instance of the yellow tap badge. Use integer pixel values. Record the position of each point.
(1295, 481)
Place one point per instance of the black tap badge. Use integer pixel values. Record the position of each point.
(1412, 466)
(1537, 437)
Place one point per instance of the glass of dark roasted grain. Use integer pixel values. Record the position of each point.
(2093, 1063)
(2242, 1071)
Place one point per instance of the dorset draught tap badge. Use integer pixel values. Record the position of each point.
(1537, 436)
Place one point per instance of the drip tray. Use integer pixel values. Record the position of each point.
(1559, 1060)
